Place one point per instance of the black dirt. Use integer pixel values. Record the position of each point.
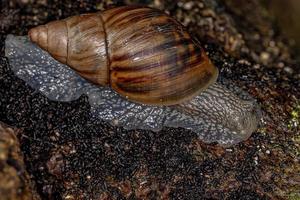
(71, 156)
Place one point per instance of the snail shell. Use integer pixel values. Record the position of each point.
(140, 52)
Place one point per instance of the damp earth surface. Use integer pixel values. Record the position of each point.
(69, 155)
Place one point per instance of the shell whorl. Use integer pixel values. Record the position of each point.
(59, 39)
(142, 53)
(78, 42)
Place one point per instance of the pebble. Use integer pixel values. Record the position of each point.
(264, 56)
(288, 70)
(188, 5)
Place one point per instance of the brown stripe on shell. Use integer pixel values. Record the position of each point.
(127, 29)
(156, 62)
(171, 59)
(148, 51)
(156, 27)
(160, 88)
(110, 14)
(86, 47)
(171, 71)
(166, 42)
(123, 15)
(173, 95)
(168, 49)
(148, 88)
(134, 17)
(142, 31)
(162, 21)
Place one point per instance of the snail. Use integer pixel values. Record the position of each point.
(139, 67)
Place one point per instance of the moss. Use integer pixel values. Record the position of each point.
(294, 196)
(294, 121)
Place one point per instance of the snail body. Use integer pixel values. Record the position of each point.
(140, 69)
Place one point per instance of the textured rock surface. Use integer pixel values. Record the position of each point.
(15, 183)
(73, 157)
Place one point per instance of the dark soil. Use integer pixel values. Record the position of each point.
(71, 156)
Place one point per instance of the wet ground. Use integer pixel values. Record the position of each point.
(68, 155)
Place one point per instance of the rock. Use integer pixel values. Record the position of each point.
(15, 182)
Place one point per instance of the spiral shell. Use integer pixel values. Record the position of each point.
(140, 52)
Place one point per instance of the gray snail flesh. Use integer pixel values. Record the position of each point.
(215, 110)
